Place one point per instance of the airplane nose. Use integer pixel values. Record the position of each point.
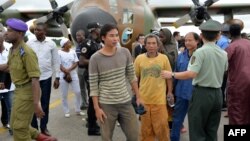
(89, 15)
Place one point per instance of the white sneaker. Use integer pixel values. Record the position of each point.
(67, 115)
(80, 113)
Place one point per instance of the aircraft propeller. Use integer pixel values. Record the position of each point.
(57, 15)
(197, 14)
(6, 5)
(3, 7)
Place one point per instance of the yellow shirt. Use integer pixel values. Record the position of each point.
(152, 87)
(23, 64)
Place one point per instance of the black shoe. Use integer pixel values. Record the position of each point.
(7, 126)
(84, 107)
(94, 133)
(11, 132)
(45, 132)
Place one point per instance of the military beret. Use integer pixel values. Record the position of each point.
(63, 42)
(211, 25)
(93, 25)
(17, 24)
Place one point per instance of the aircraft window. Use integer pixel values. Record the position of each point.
(113, 6)
(128, 16)
(127, 35)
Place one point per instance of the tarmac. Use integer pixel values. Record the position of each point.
(74, 129)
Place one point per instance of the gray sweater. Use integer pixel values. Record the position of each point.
(107, 76)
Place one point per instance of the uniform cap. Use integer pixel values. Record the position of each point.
(63, 42)
(17, 24)
(211, 25)
(92, 26)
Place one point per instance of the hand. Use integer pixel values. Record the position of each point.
(2, 86)
(66, 71)
(170, 99)
(166, 74)
(100, 115)
(56, 83)
(39, 111)
(139, 102)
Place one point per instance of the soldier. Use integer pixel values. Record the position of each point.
(207, 67)
(91, 45)
(23, 67)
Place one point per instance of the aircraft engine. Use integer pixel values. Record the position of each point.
(88, 15)
(197, 14)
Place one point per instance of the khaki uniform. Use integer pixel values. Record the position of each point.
(23, 65)
(210, 63)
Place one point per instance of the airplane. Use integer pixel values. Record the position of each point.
(131, 16)
(197, 13)
(127, 15)
(4, 6)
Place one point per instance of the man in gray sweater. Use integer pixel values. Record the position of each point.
(108, 70)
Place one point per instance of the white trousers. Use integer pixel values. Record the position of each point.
(64, 86)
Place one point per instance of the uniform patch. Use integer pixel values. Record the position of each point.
(193, 60)
(22, 52)
(84, 50)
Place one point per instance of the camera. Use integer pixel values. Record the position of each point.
(140, 110)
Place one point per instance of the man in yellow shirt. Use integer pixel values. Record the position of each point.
(152, 89)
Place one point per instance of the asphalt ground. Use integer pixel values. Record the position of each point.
(74, 129)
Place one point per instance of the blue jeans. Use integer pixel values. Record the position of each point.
(180, 111)
(45, 99)
(6, 98)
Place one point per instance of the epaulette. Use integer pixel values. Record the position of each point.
(88, 43)
(22, 52)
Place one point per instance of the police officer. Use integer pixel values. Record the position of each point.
(24, 71)
(206, 67)
(91, 45)
(80, 38)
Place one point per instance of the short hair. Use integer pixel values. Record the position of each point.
(43, 25)
(176, 33)
(210, 35)
(106, 28)
(152, 36)
(81, 31)
(195, 35)
(235, 30)
(137, 38)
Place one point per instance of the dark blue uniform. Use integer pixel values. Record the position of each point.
(88, 48)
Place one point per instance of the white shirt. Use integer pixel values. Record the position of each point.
(47, 55)
(66, 60)
(3, 60)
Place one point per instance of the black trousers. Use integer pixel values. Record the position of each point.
(92, 125)
(45, 99)
(4, 116)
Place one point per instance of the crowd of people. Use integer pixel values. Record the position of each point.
(170, 76)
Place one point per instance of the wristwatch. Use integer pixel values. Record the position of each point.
(173, 75)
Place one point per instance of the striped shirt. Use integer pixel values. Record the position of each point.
(107, 76)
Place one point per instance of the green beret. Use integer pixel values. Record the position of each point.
(211, 25)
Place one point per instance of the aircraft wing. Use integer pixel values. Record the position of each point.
(53, 28)
(162, 11)
(179, 10)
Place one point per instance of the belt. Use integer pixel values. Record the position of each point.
(23, 85)
(198, 86)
